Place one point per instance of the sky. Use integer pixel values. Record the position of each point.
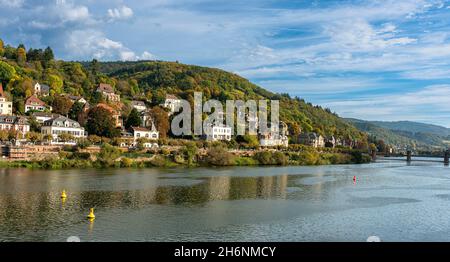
(373, 60)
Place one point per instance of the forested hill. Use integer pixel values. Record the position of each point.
(158, 78)
(21, 67)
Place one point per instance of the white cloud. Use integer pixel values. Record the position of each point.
(12, 3)
(93, 43)
(120, 13)
(430, 104)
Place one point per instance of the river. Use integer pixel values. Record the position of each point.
(393, 200)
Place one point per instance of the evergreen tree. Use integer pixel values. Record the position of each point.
(133, 119)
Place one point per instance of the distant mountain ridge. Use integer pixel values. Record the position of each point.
(405, 133)
(414, 127)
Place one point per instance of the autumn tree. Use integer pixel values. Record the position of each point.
(2, 48)
(61, 105)
(33, 136)
(134, 119)
(161, 120)
(21, 56)
(101, 123)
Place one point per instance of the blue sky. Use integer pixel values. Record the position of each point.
(375, 60)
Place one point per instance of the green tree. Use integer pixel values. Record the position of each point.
(2, 48)
(75, 110)
(7, 72)
(134, 119)
(190, 151)
(47, 57)
(101, 123)
(55, 83)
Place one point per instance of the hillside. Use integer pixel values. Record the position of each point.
(157, 78)
(404, 133)
(150, 81)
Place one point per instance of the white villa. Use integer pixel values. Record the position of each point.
(172, 102)
(5, 105)
(62, 125)
(138, 105)
(218, 132)
(42, 90)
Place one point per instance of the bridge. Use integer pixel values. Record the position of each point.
(409, 158)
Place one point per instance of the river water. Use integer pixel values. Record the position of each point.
(390, 199)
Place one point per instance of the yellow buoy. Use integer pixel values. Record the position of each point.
(63, 194)
(91, 214)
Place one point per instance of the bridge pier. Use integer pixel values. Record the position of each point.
(408, 156)
(446, 157)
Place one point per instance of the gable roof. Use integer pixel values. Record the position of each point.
(45, 89)
(107, 88)
(13, 120)
(34, 100)
(141, 129)
(62, 120)
(137, 103)
(169, 96)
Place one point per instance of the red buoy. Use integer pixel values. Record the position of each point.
(354, 178)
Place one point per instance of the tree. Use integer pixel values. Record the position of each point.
(75, 110)
(101, 123)
(33, 136)
(55, 84)
(2, 48)
(190, 151)
(7, 72)
(134, 119)
(65, 137)
(47, 57)
(21, 56)
(95, 67)
(3, 135)
(62, 105)
(161, 120)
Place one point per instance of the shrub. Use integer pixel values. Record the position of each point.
(218, 155)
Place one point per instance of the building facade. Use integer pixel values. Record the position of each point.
(118, 121)
(172, 103)
(311, 139)
(16, 123)
(5, 105)
(33, 103)
(275, 136)
(108, 92)
(138, 105)
(218, 133)
(41, 89)
(41, 117)
(62, 125)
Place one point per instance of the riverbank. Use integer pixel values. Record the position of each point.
(189, 156)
